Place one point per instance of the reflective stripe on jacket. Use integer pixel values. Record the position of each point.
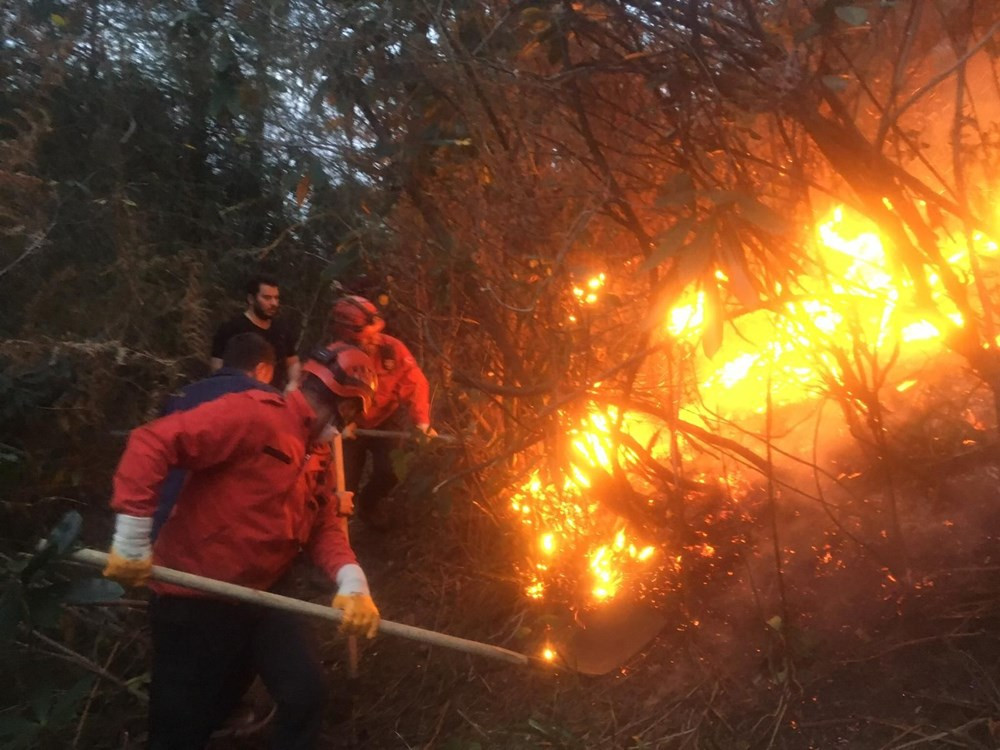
(247, 507)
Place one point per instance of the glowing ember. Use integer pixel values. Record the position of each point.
(587, 294)
(548, 543)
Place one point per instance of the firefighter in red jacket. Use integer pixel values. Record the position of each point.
(250, 504)
(402, 391)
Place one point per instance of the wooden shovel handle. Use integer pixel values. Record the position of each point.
(288, 604)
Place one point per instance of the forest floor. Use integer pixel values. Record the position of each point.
(862, 661)
(854, 657)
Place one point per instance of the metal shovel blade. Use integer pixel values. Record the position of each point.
(611, 635)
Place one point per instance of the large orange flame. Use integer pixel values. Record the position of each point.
(785, 349)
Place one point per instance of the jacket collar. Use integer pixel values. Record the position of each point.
(223, 372)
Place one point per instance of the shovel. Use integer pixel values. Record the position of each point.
(605, 640)
(276, 601)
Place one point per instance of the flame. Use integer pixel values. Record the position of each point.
(854, 295)
(568, 526)
(687, 318)
(850, 293)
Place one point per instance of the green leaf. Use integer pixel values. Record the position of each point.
(18, 731)
(696, 255)
(58, 543)
(550, 730)
(66, 706)
(58, 20)
(666, 200)
(834, 83)
(341, 264)
(536, 19)
(41, 701)
(92, 591)
(444, 499)
(711, 339)
(807, 33)
(216, 102)
(554, 46)
(11, 613)
(225, 97)
(66, 531)
(677, 191)
(670, 242)
(740, 283)
(762, 216)
(725, 197)
(692, 261)
(45, 606)
(679, 181)
(317, 175)
(187, 16)
(402, 463)
(852, 15)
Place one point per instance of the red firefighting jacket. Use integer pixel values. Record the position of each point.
(400, 382)
(249, 504)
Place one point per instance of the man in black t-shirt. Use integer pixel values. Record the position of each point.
(263, 301)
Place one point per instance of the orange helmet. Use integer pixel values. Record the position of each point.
(355, 318)
(346, 371)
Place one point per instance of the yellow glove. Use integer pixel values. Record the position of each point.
(128, 572)
(360, 614)
(130, 561)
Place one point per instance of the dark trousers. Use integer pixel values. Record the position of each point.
(382, 478)
(206, 651)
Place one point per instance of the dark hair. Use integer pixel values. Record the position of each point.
(245, 351)
(254, 284)
(313, 387)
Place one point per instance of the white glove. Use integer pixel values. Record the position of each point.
(351, 579)
(131, 539)
(130, 560)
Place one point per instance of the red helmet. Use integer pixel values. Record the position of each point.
(346, 371)
(355, 318)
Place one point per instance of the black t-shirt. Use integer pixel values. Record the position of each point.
(279, 335)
